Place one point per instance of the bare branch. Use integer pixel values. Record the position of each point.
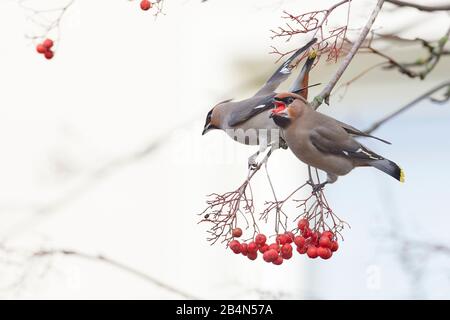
(325, 94)
(421, 7)
(331, 40)
(435, 52)
(427, 94)
(116, 264)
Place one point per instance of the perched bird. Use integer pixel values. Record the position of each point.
(248, 121)
(326, 143)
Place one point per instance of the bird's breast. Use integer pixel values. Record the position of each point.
(259, 129)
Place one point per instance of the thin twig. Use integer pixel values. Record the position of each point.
(325, 94)
(421, 7)
(116, 264)
(427, 94)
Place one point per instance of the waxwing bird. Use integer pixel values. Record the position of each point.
(248, 121)
(326, 143)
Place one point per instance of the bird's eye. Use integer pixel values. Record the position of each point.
(290, 100)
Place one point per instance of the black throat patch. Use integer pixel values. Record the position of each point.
(281, 121)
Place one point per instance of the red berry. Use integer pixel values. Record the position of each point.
(145, 5)
(49, 54)
(252, 255)
(302, 250)
(282, 239)
(270, 255)
(290, 237)
(244, 249)
(278, 261)
(324, 253)
(325, 242)
(312, 252)
(263, 248)
(306, 232)
(302, 224)
(315, 237)
(286, 256)
(286, 248)
(41, 49)
(48, 43)
(237, 232)
(260, 239)
(299, 241)
(275, 247)
(334, 246)
(235, 246)
(252, 247)
(328, 234)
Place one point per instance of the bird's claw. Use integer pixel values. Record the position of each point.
(252, 164)
(316, 187)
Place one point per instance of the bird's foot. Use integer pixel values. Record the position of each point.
(252, 163)
(283, 144)
(316, 187)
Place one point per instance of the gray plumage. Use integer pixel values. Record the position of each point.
(248, 121)
(326, 143)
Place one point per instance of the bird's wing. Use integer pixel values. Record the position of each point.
(334, 141)
(353, 131)
(283, 72)
(250, 108)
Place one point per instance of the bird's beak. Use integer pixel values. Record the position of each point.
(280, 110)
(208, 128)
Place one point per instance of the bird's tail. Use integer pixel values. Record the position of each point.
(389, 167)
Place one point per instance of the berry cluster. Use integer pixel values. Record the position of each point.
(146, 5)
(313, 243)
(45, 48)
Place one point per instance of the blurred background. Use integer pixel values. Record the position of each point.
(102, 153)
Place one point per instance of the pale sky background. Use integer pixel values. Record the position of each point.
(121, 80)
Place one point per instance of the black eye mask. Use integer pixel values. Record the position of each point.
(287, 100)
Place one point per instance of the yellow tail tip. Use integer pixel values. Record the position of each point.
(312, 54)
(402, 175)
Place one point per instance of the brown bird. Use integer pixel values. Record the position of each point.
(326, 143)
(247, 121)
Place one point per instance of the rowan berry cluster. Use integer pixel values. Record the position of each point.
(312, 243)
(45, 48)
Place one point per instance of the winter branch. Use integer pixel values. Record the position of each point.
(116, 264)
(325, 93)
(427, 94)
(421, 7)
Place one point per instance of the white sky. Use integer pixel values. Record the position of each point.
(121, 79)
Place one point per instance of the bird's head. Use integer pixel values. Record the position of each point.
(213, 117)
(285, 109)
